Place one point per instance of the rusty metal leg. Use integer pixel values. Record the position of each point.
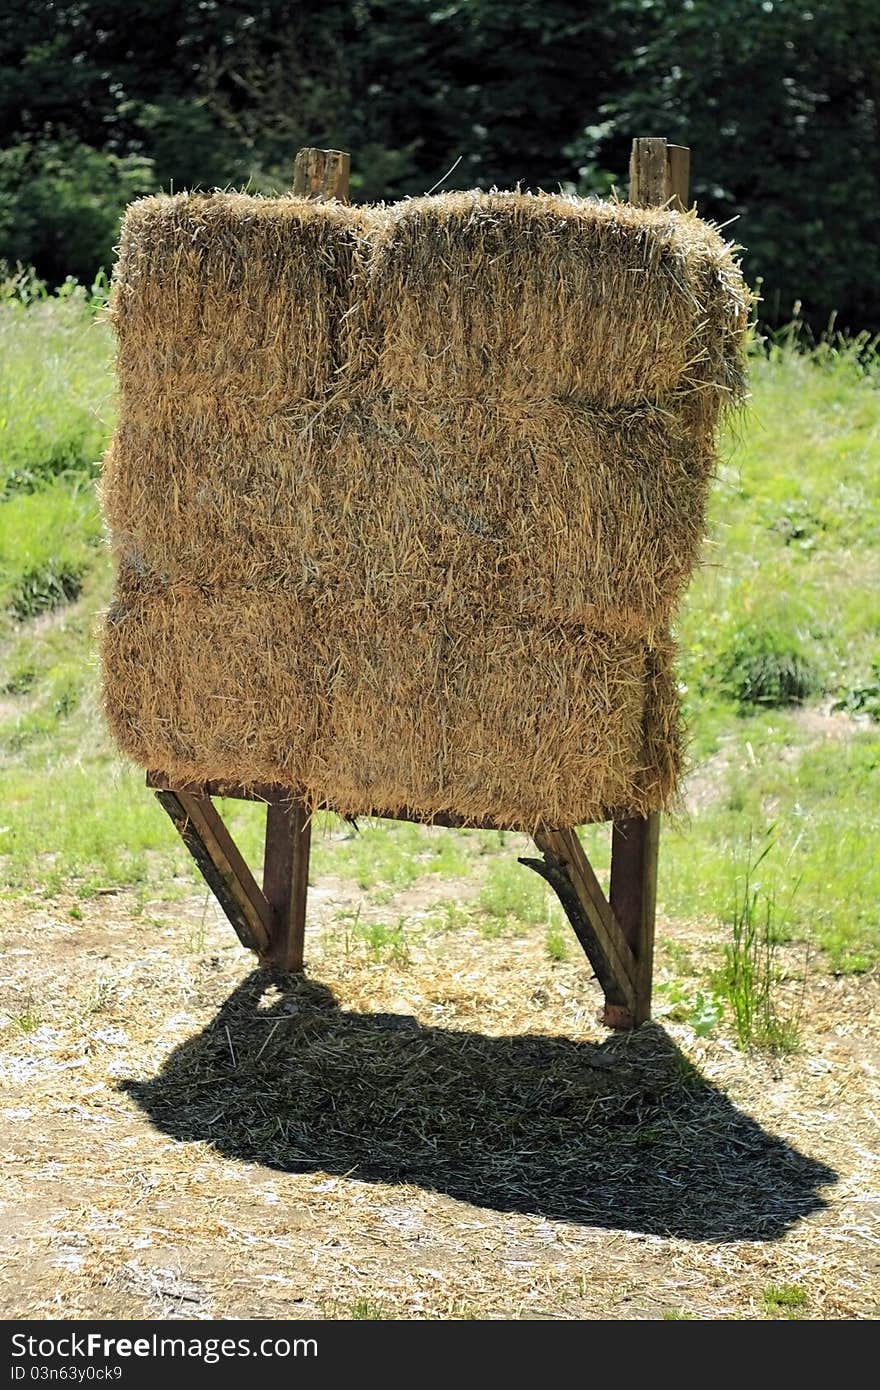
(286, 880)
(633, 897)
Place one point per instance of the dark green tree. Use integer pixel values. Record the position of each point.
(103, 99)
(780, 102)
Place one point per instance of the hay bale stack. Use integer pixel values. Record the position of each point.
(544, 508)
(403, 498)
(231, 296)
(510, 294)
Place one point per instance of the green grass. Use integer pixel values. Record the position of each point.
(749, 974)
(683, 1002)
(795, 534)
(382, 940)
(511, 896)
(784, 1300)
(386, 857)
(557, 938)
(366, 1309)
(56, 391)
(28, 1021)
(780, 623)
(47, 548)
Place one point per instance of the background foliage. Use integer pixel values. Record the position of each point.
(103, 99)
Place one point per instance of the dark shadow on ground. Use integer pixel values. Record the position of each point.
(624, 1135)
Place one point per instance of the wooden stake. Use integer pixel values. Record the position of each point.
(568, 870)
(633, 896)
(286, 880)
(678, 164)
(319, 174)
(659, 174)
(322, 174)
(224, 870)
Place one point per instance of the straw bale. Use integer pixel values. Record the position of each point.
(232, 296)
(403, 499)
(585, 516)
(505, 293)
(368, 713)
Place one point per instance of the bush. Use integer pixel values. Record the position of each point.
(61, 203)
(761, 666)
(48, 543)
(864, 698)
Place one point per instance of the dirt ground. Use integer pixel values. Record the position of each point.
(440, 1131)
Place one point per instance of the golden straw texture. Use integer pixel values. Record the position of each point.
(403, 499)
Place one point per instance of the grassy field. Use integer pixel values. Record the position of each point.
(780, 644)
(432, 1122)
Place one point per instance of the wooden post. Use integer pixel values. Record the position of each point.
(678, 163)
(286, 880)
(567, 869)
(633, 898)
(225, 872)
(319, 174)
(322, 174)
(659, 176)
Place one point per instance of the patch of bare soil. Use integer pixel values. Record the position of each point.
(444, 1133)
(815, 724)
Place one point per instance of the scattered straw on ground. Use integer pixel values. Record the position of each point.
(441, 1130)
